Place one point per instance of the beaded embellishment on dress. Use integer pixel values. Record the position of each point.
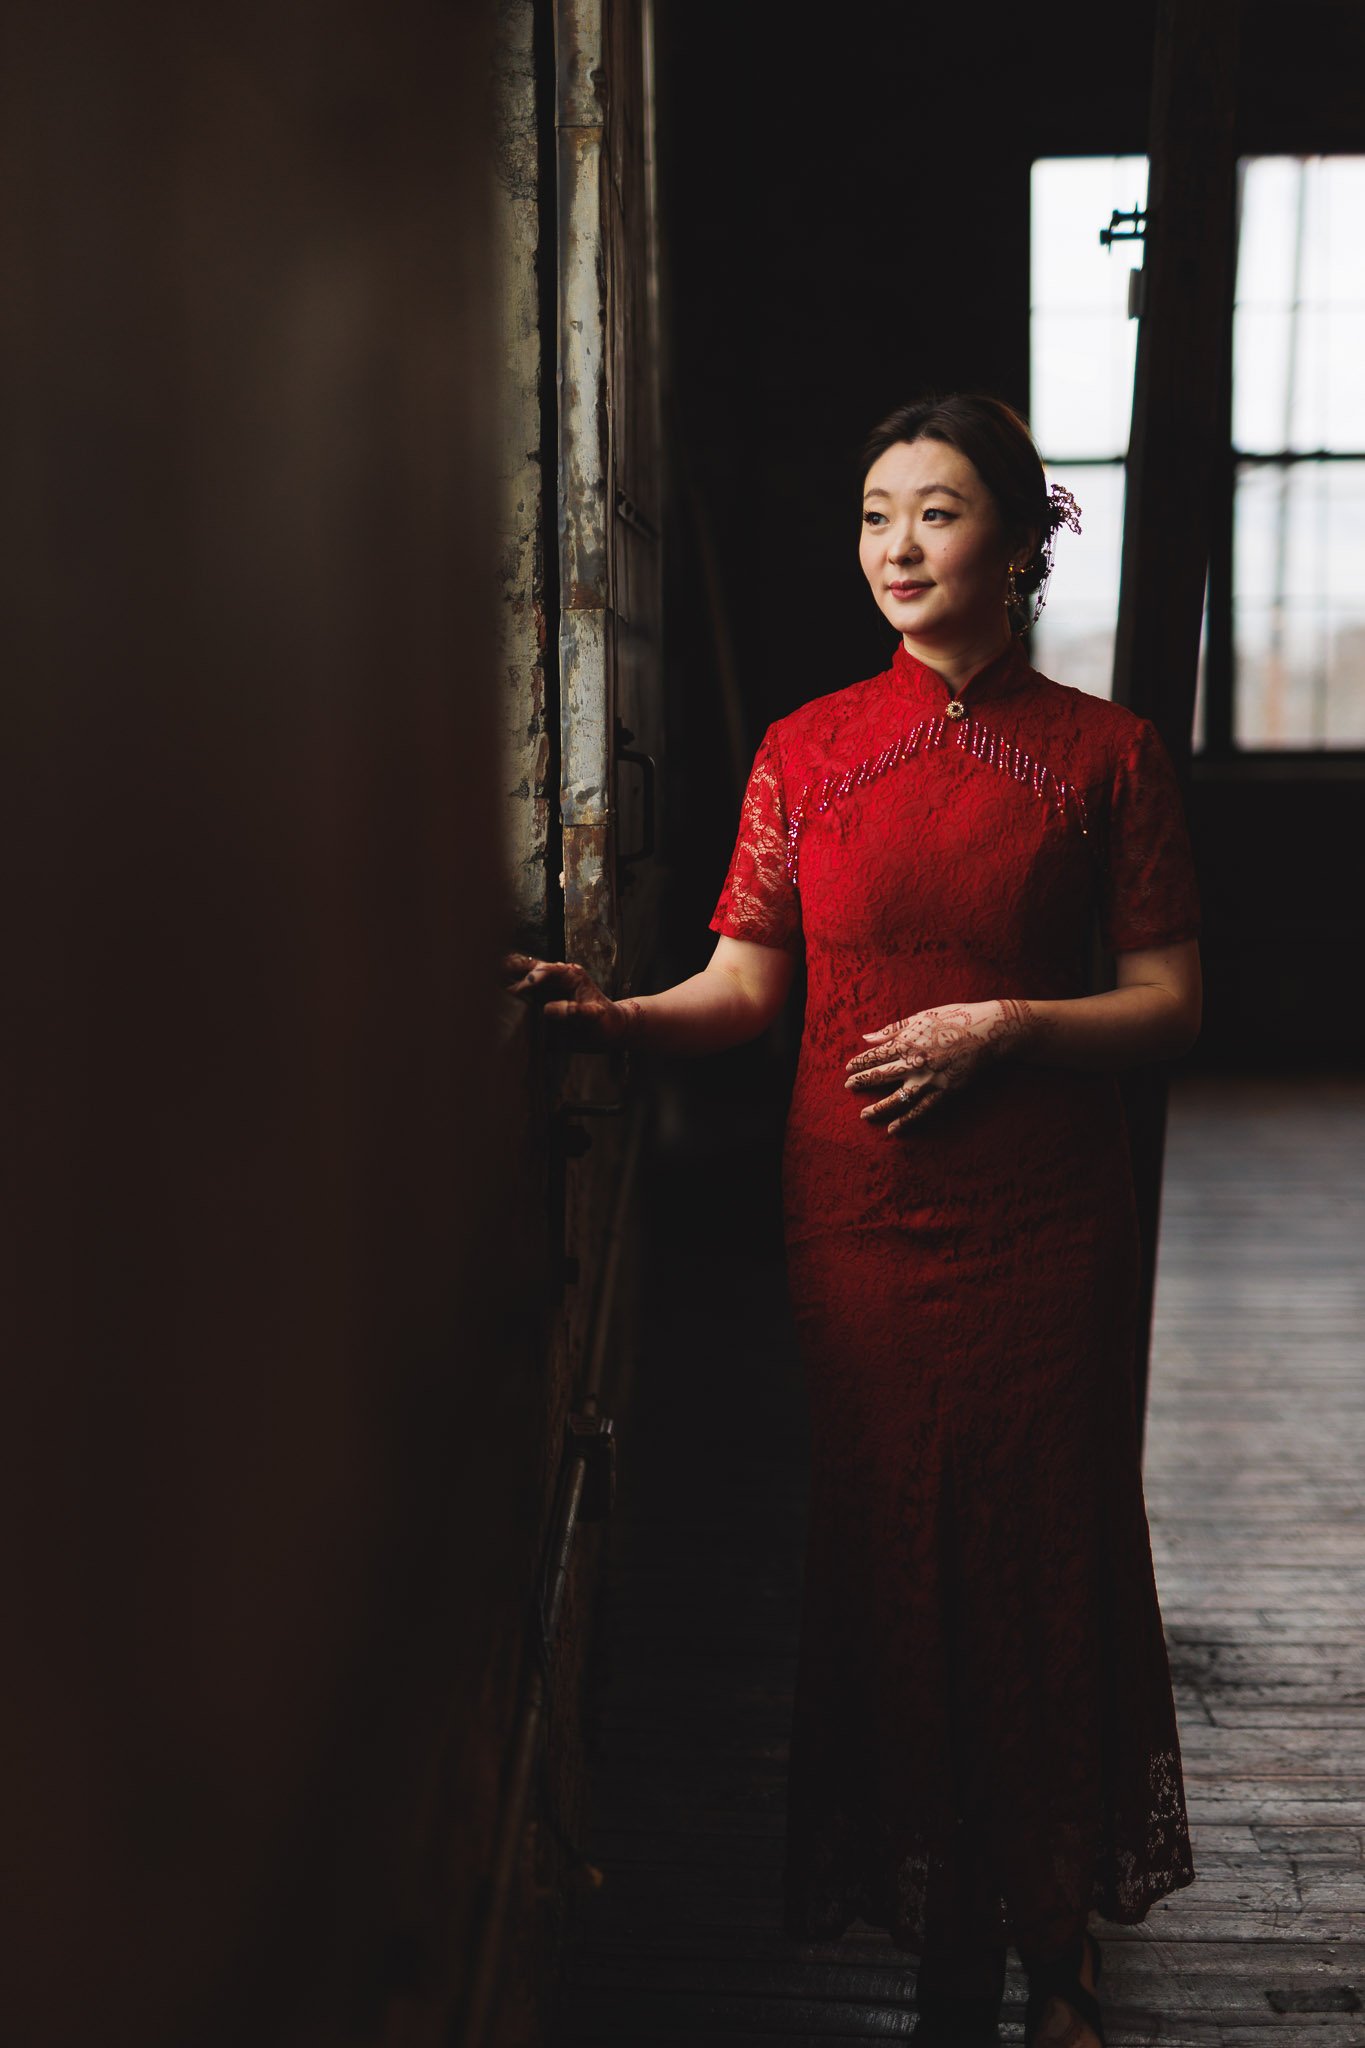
(976, 739)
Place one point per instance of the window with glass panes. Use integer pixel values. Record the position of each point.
(1082, 350)
(1292, 640)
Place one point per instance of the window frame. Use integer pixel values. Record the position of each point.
(1220, 752)
(1216, 754)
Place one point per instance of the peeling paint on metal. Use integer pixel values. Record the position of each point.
(589, 889)
(585, 678)
(521, 565)
(580, 75)
(582, 371)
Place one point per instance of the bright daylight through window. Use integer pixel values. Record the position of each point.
(1297, 445)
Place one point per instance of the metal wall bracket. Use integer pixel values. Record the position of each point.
(1134, 231)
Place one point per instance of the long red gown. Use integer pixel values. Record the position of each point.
(984, 1737)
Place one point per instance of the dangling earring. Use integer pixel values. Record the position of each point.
(1011, 589)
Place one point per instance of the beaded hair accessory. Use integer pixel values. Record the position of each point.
(1062, 510)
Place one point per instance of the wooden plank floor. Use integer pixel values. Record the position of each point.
(1255, 1482)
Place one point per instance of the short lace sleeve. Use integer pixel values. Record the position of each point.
(1151, 896)
(759, 901)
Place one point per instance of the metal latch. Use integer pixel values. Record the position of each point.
(592, 1438)
(645, 850)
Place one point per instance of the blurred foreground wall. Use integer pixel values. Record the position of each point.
(263, 1381)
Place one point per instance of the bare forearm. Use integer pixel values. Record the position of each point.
(1119, 1028)
(706, 1013)
(735, 997)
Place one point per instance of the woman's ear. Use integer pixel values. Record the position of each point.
(1025, 549)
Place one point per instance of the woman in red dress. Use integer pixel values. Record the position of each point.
(984, 1747)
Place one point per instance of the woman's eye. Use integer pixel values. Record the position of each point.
(868, 517)
(937, 512)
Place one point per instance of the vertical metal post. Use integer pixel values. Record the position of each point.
(1173, 459)
(590, 923)
(525, 589)
(1172, 454)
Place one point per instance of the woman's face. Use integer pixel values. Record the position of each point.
(933, 547)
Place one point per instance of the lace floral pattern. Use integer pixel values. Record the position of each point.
(1148, 849)
(758, 900)
(984, 1741)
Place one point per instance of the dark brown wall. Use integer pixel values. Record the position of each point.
(257, 1546)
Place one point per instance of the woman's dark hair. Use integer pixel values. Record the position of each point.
(997, 443)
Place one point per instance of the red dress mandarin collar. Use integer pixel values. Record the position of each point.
(927, 691)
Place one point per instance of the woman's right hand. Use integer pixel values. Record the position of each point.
(581, 1017)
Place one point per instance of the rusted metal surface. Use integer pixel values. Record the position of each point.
(586, 692)
(609, 485)
(582, 373)
(636, 485)
(590, 896)
(527, 753)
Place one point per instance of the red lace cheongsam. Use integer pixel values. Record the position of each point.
(983, 1704)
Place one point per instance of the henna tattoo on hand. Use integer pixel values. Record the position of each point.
(926, 1056)
(580, 1016)
(1015, 1022)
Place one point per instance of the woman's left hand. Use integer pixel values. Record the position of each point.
(911, 1064)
